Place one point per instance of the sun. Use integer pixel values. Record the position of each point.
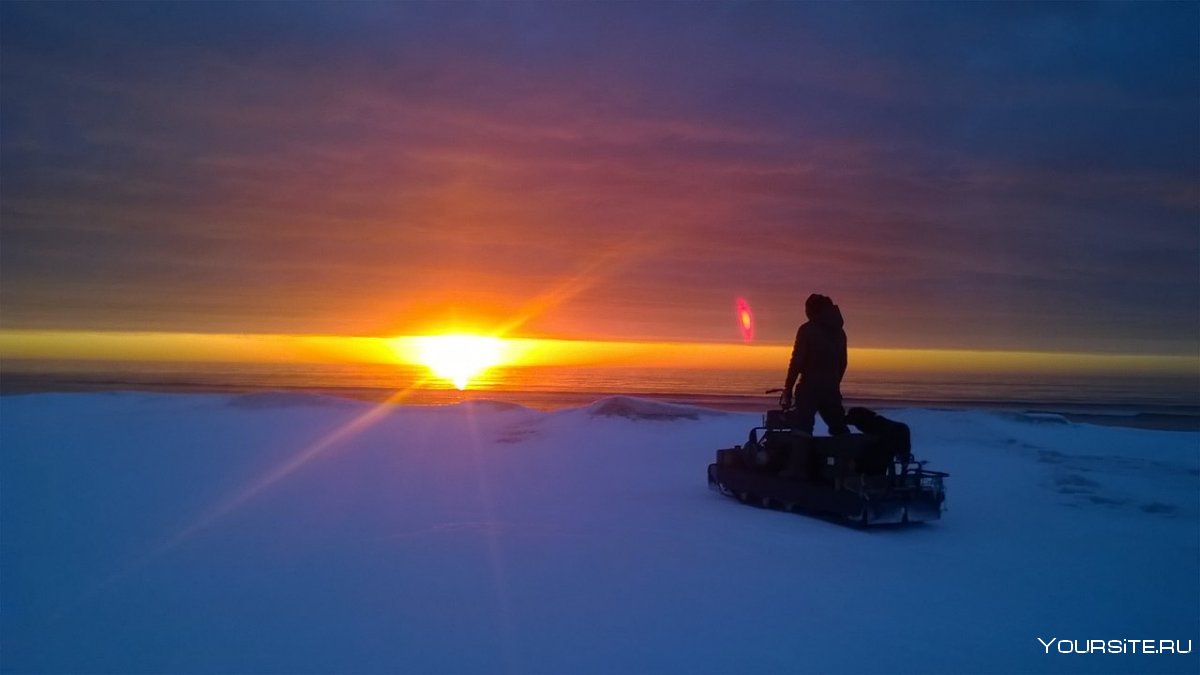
(458, 358)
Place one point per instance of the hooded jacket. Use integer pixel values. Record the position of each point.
(819, 355)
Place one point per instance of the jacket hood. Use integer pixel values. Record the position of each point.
(830, 317)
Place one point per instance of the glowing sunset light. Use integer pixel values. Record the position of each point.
(17, 345)
(451, 197)
(458, 358)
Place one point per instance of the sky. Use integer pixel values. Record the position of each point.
(978, 176)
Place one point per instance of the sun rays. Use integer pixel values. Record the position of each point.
(456, 358)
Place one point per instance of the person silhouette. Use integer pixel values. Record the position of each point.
(819, 362)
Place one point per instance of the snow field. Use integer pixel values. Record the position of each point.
(276, 533)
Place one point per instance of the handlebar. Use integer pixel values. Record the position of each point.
(782, 393)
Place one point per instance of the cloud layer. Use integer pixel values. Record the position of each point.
(1000, 176)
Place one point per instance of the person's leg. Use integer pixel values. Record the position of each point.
(805, 411)
(833, 414)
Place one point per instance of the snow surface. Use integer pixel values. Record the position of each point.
(276, 533)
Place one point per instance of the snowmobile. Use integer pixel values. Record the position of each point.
(866, 478)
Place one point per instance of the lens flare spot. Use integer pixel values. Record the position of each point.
(745, 319)
(459, 358)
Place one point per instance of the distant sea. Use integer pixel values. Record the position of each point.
(1164, 402)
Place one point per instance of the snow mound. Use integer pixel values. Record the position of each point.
(645, 409)
(1042, 418)
(487, 405)
(286, 399)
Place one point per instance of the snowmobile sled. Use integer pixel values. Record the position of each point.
(867, 478)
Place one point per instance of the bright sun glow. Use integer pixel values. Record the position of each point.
(458, 358)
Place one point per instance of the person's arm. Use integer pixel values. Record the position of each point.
(794, 364)
(843, 361)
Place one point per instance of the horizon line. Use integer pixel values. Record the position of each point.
(82, 345)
